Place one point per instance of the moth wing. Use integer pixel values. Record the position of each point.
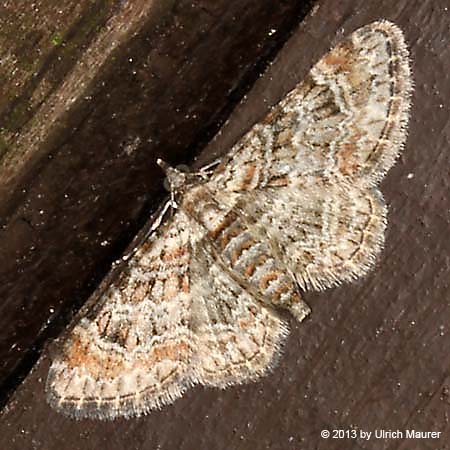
(325, 239)
(348, 117)
(238, 339)
(132, 353)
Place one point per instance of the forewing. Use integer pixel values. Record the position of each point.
(348, 117)
(133, 352)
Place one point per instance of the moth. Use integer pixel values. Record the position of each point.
(293, 207)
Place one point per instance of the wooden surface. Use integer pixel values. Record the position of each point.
(373, 355)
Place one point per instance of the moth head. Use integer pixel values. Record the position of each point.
(177, 178)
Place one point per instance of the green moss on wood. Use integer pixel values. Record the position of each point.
(57, 39)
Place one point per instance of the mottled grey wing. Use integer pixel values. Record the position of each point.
(308, 172)
(347, 118)
(133, 352)
(325, 239)
(237, 337)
